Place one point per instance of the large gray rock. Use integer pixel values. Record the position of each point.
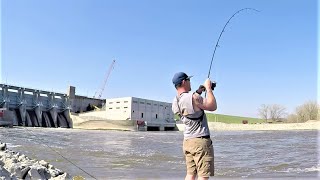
(4, 174)
(17, 170)
(18, 166)
(3, 146)
(54, 172)
(33, 174)
(44, 163)
(22, 158)
(62, 177)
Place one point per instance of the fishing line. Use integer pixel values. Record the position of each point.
(223, 30)
(57, 152)
(213, 83)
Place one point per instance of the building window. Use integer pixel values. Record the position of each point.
(118, 102)
(117, 107)
(161, 105)
(126, 101)
(110, 108)
(156, 116)
(135, 101)
(110, 102)
(141, 102)
(149, 103)
(132, 111)
(141, 115)
(125, 107)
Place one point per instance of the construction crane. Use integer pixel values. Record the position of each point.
(98, 93)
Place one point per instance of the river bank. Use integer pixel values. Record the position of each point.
(14, 165)
(218, 126)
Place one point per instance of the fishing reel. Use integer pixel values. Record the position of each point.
(202, 88)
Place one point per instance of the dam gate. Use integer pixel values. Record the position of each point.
(35, 108)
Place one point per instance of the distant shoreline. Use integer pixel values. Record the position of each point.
(218, 126)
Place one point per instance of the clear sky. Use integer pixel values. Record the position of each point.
(268, 57)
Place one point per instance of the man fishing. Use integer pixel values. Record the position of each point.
(190, 106)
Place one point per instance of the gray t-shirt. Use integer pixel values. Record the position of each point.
(196, 124)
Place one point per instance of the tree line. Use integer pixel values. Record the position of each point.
(278, 113)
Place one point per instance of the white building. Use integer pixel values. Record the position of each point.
(155, 113)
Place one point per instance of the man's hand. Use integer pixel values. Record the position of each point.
(209, 103)
(207, 84)
(201, 89)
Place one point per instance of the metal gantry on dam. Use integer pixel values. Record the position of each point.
(35, 108)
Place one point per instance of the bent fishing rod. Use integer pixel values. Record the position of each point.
(213, 84)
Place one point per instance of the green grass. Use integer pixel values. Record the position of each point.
(229, 119)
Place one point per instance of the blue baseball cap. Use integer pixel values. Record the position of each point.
(179, 77)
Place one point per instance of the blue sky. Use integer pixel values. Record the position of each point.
(264, 58)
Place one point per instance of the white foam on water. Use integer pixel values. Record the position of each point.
(312, 169)
(9, 145)
(298, 170)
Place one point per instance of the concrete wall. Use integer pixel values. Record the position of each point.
(35, 107)
(119, 108)
(15, 96)
(6, 117)
(80, 103)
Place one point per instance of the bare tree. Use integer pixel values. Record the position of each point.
(301, 114)
(307, 111)
(312, 110)
(277, 112)
(292, 118)
(264, 112)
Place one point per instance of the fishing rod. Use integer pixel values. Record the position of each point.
(213, 85)
(217, 44)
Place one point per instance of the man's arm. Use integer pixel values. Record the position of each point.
(208, 103)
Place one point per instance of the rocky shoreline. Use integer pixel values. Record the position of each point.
(14, 165)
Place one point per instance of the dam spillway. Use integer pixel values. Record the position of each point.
(35, 108)
(29, 107)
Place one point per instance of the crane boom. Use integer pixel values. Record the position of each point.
(100, 91)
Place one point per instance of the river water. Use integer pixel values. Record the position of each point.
(158, 155)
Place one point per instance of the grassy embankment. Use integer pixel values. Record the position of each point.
(230, 119)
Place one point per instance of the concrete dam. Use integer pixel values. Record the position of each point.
(34, 108)
(21, 106)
